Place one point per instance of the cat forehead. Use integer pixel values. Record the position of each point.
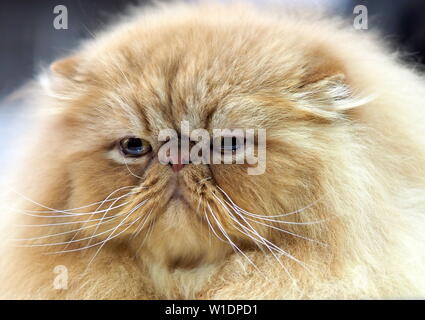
(175, 84)
(199, 72)
(195, 57)
(164, 108)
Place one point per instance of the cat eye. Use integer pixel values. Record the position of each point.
(228, 144)
(134, 147)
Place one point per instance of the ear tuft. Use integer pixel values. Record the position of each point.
(330, 97)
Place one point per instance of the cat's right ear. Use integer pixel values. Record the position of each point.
(63, 78)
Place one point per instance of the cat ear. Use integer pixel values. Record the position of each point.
(62, 79)
(330, 97)
(66, 68)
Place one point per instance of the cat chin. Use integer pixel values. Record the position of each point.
(179, 239)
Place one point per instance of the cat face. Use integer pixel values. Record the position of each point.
(119, 93)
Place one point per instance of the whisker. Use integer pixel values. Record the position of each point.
(109, 237)
(269, 216)
(268, 244)
(25, 212)
(105, 213)
(129, 170)
(100, 242)
(55, 210)
(75, 222)
(59, 234)
(65, 242)
(286, 222)
(75, 209)
(234, 246)
(212, 228)
(279, 229)
(235, 220)
(147, 235)
(289, 232)
(68, 222)
(141, 225)
(95, 244)
(200, 183)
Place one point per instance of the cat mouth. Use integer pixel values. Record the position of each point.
(178, 196)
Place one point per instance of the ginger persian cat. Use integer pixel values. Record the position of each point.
(338, 213)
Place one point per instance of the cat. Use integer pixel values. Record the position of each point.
(339, 212)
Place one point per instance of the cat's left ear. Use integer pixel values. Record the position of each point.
(67, 68)
(330, 97)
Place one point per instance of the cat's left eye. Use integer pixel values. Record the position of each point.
(134, 147)
(230, 144)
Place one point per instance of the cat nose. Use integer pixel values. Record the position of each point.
(178, 162)
(177, 167)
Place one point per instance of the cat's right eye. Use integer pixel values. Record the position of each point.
(134, 147)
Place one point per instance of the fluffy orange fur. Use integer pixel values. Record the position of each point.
(339, 212)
